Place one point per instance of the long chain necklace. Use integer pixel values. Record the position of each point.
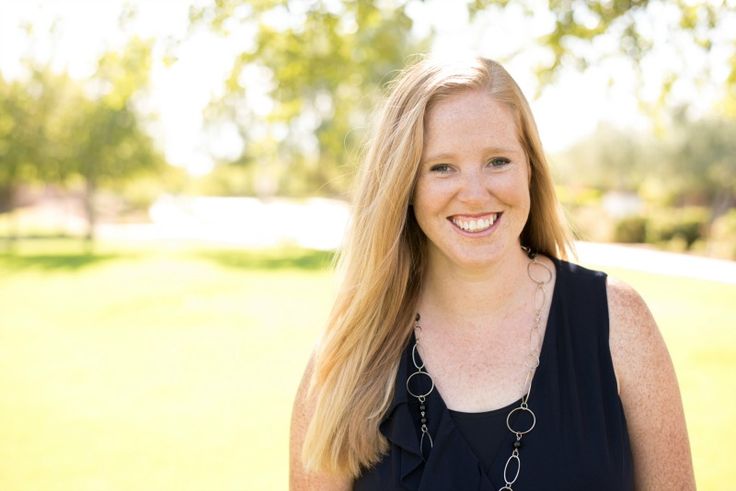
(513, 463)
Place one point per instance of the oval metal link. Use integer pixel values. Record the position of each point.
(535, 340)
(514, 455)
(425, 433)
(540, 298)
(414, 357)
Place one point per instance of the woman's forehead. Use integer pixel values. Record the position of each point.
(472, 117)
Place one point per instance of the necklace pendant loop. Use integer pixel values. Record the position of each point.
(521, 409)
(514, 457)
(425, 434)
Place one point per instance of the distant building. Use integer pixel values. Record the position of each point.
(621, 204)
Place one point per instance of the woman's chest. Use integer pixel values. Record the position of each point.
(480, 375)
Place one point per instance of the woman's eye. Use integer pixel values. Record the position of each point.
(499, 161)
(441, 168)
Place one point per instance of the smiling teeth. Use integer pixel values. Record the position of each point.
(475, 225)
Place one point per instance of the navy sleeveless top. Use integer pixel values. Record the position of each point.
(580, 441)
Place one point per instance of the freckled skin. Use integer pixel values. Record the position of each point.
(649, 393)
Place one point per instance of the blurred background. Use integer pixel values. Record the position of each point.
(174, 183)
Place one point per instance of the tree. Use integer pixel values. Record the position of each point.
(610, 159)
(53, 130)
(325, 66)
(324, 63)
(17, 146)
(701, 163)
(659, 41)
(107, 141)
(693, 164)
(579, 24)
(31, 115)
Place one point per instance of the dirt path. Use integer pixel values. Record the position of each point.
(653, 261)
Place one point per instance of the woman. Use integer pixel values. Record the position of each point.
(463, 352)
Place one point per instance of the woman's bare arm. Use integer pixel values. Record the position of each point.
(299, 478)
(649, 393)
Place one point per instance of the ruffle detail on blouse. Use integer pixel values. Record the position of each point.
(451, 464)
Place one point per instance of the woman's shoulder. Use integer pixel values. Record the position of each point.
(638, 349)
(628, 307)
(632, 327)
(648, 389)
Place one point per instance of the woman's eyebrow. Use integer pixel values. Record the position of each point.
(439, 156)
(451, 155)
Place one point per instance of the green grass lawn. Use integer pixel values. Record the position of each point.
(175, 368)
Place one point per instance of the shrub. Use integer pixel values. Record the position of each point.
(723, 235)
(631, 229)
(683, 224)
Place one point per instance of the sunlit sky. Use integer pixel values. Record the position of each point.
(566, 111)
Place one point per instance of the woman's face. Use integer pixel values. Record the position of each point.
(472, 193)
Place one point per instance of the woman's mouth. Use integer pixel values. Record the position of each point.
(474, 224)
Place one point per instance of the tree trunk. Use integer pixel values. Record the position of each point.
(90, 187)
(722, 202)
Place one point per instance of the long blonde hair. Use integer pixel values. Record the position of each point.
(383, 260)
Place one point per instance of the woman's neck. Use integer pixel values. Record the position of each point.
(472, 296)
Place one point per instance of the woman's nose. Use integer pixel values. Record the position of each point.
(472, 187)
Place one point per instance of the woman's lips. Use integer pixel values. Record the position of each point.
(475, 224)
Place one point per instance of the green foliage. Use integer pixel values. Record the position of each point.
(325, 70)
(55, 129)
(33, 120)
(579, 25)
(630, 230)
(323, 64)
(693, 163)
(680, 227)
(610, 159)
(700, 159)
(684, 224)
(723, 235)
(578, 195)
(138, 193)
(51, 129)
(109, 143)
